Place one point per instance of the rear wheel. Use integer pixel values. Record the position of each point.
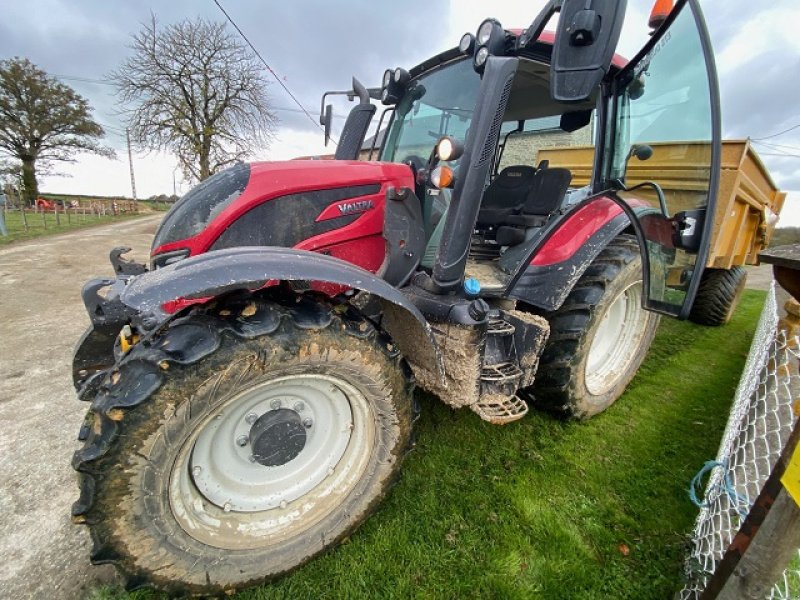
(598, 338)
(718, 295)
(231, 450)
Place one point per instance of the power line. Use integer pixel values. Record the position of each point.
(779, 146)
(84, 79)
(782, 154)
(774, 134)
(273, 73)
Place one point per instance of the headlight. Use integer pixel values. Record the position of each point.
(481, 55)
(485, 30)
(467, 43)
(449, 148)
(387, 77)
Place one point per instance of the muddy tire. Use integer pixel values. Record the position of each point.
(718, 296)
(237, 445)
(598, 338)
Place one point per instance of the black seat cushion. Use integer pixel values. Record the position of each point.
(526, 220)
(547, 192)
(506, 194)
(510, 236)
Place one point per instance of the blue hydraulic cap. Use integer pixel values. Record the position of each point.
(472, 286)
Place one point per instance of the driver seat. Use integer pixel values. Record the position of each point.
(506, 194)
(546, 196)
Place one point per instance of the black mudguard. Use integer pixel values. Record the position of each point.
(547, 287)
(249, 268)
(95, 350)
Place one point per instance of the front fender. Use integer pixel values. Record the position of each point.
(547, 286)
(250, 268)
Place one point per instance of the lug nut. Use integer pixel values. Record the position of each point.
(251, 418)
(196, 471)
(276, 404)
(227, 507)
(252, 458)
(307, 423)
(241, 440)
(299, 407)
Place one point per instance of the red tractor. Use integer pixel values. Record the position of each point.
(251, 388)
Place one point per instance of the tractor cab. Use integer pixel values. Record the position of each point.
(491, 208)
(520, 193)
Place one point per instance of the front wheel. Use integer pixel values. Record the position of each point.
(232, 449)
(598, 337)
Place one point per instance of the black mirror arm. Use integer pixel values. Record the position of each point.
(662, 200)
(534, 30)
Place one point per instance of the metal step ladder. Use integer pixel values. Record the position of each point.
(500, 376)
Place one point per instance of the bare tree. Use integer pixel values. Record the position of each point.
(42, 121)
(193, 89)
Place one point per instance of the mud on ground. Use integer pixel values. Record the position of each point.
(41, 318)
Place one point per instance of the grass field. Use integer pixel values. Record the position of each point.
(36, 227)
(544, 508)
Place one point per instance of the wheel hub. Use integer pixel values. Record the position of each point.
(272, 444)
(616, 340)
(277, 437)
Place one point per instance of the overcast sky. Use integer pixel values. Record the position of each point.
(318, 45)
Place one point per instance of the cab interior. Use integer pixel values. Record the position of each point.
(521, 194)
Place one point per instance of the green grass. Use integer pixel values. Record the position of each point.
(36, 228)
(544, 508)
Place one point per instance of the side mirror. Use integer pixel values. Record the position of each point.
(642, 151)
(575, 119)
(586, 37)
(327, 121)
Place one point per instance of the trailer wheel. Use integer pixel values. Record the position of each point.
(232, 449)
(718, 295)
(598, 338)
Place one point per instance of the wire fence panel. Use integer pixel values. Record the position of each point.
(760, 422)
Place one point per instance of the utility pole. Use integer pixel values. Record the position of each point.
(130, 163)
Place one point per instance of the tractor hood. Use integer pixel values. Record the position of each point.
(196, 221)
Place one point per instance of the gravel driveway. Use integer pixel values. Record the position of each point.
(41, 318)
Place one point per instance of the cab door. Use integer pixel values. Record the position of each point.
(661, 155)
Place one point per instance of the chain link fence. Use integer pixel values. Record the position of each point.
(761, 419)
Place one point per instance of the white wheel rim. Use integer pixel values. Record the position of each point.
(222, 496)
(616, 340)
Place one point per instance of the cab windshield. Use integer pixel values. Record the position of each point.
(438, 103)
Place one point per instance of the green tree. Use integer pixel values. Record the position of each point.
(42, 121)
(194, 90)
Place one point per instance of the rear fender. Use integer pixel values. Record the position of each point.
(250, 268)
(567, 250)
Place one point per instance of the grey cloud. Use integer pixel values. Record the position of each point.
(315, 45)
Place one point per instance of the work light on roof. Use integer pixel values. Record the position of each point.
(401, 76)
(387, 77)
(467, 44)
(481, 55)
(486, 29)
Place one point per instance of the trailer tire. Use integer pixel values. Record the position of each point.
(591, 356)
(718, 296)
(180, 486)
